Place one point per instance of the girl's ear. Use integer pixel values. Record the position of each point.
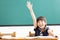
(46, 23)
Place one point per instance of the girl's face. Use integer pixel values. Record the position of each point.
(41, 24)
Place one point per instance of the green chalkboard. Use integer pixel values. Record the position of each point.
(15, 12)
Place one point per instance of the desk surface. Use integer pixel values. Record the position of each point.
(27, 38)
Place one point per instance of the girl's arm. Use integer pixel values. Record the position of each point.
(50, 32)
(29, 5)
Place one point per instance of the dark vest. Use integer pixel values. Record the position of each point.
(39, 33)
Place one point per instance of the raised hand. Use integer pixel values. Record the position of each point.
(29, 5)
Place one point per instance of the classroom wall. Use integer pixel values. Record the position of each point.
(23, 31)
(15, 12)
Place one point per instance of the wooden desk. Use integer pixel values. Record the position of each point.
(30, 39)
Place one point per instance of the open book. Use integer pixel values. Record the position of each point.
(39, 37)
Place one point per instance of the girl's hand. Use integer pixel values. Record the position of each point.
(29, 5)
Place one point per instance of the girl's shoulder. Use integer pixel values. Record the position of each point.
(36, 28)
(46, 28)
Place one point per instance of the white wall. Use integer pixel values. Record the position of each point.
(23, 31)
